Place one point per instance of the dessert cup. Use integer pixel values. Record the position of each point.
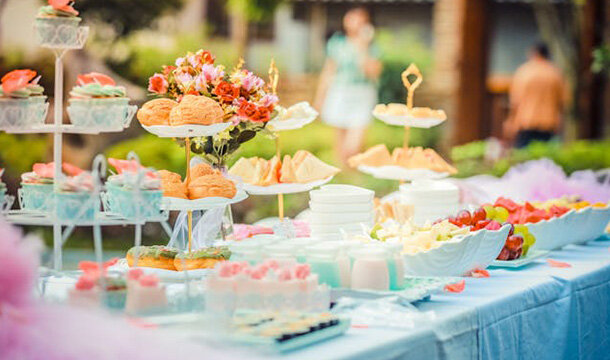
(58, 32)
(101, 113)
(123, 202)
(115, 299)
(26, 113)
(76, 206)
(36, 197)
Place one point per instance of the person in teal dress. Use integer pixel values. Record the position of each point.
(347, 92)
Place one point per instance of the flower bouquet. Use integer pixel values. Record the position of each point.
(242, 96)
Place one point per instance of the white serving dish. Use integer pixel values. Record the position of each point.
(307, 115)
(531, 256)
(341, 194)
(573, 227)
(458, 256)
(355, 207)
(177, 204)
(405, 120)
(186, 131)
(285, 188)
(163, 274)
(394, 172)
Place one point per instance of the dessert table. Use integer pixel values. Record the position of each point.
(537, 311)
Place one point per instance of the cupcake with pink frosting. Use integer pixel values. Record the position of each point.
(57, 25)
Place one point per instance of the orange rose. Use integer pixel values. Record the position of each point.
(247, 110)
(158, 84)
(226, 92)
(262, 115)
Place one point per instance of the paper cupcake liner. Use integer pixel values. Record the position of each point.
(123, 202)
(76, 206)
(103, 114)
(61, 33)
(19, 114)
(36, 197)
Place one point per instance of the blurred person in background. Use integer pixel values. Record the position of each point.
(538, 96)
(347, 91)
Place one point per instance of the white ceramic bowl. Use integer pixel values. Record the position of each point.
(458, 256)
(574, 227)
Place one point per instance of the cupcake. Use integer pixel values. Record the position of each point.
(97, 102)
(36, 191)
(57, 25)
(75, 200)
(22, 104)
(121, 191)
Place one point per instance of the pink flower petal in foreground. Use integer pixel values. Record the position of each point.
(558, 264)
(457, 287)
(479, 273)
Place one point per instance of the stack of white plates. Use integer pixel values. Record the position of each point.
(431, 199)
(337, 208)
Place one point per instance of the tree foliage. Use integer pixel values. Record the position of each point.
(126, 16)
(254, 10)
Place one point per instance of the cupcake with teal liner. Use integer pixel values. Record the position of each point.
(57, 25)
(97, 102)
(22, 103)
(94, 287)
(122, 190)
(36, 192)
(76, 200)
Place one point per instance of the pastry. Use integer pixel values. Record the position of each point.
(155, 256)
(378, 155)
(272, 173)
(287, 173)
(156, 112)
(168, 176)
(419, 158)
(198, 110)
(202, 169)
(214, 185)
(425, 112)
(395, 109)
(312, 169)
(244, 169)
(174, 189)
(201, 259)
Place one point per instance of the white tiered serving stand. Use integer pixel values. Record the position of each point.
(175, 204)
(276, 126)
(400, 173)
(63, 228)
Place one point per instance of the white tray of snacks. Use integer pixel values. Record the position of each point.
(394, 172)
(416, 288)
(162, 274)
(405, 120)
(286, 188)
(178, 204)
(400, 115)
(531, 256)
(186, 131)
(294, 117)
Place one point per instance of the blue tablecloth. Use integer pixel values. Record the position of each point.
(535, 312)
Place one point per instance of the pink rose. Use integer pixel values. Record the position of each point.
(158, 84)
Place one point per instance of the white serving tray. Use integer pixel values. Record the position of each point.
(416, 288)
(404, 120)
(286, 188)
(162, 274)
(295, 122)
(177, 204)
(531, 256)
(394, 172)
(186, 131)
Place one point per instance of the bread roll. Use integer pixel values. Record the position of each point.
(156, 112)
(197, 110)
(213, 185)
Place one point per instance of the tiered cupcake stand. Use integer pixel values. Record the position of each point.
(277, 126)
(55, 38)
